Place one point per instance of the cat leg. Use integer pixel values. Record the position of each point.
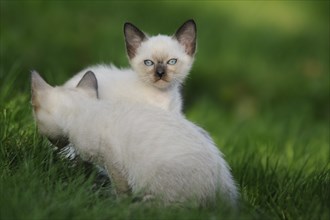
(118, 180)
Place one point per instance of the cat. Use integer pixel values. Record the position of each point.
(159, 64)
(146, 150)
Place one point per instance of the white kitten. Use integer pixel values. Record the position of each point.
(159, 66)
(146, 150)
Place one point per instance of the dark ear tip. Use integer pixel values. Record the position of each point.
(90, 73)
(89, 77)
(128, 25)
(192, 22)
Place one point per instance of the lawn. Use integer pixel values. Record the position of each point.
(259, 86)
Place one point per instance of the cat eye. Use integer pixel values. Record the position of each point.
(172, 61)
(148, 63)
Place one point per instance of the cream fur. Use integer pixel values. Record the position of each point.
(125, 84)
(150, 151)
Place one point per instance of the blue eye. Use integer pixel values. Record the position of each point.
(148, 63)
(172, 61)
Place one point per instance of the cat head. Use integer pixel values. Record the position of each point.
(51, 105)
(161, 61)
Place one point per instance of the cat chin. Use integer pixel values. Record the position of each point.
(162, 84)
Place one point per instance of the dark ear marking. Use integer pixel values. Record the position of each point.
(186, 35)
(89, 81)
(133, 38)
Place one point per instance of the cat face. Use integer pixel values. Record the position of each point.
(52, 104)
(161, 61)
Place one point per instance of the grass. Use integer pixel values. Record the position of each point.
(260, 86)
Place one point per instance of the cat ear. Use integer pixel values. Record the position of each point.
(38, 84)
(186, 35)
(89, 83)
(133, 38)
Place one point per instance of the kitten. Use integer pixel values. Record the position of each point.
(147, 151)
(159, 64)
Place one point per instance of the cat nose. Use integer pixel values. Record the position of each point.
(160, 72)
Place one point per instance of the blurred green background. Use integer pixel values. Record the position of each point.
(259, 85)
(252, 56)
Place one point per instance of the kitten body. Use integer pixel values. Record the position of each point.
(146, 150)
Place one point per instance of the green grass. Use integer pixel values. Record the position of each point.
(260, 86)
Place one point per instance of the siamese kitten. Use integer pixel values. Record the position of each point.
(159, 64)
(147, 151)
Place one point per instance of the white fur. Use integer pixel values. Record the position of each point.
(124, 84)
(150, 151)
